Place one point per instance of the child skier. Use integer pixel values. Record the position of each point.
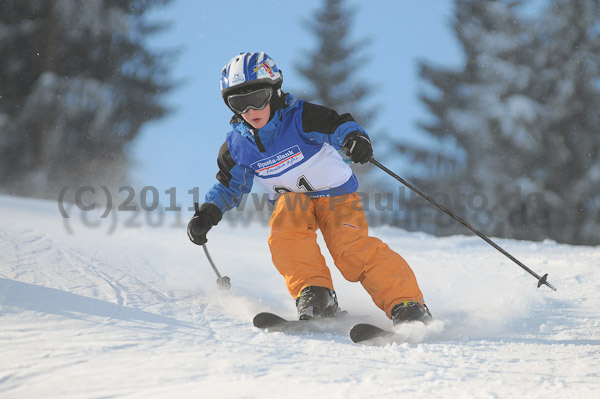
(291, 148)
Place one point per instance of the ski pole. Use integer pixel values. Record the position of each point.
(224, 283)
(543, 280)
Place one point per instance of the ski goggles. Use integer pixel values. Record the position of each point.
(257, 99)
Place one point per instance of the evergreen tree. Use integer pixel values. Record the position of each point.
(76, 85)
(525, 111)
(331, 67)
(569, 90)
(331, 72)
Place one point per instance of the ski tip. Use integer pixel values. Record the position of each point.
(356, 332)
(364, 332)
(266, 320)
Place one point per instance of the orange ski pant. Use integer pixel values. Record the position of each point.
(293, 242)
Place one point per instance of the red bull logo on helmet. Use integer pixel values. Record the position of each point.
(263, 68)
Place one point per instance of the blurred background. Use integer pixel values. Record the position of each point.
(492, 107)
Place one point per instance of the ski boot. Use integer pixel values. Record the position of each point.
(316, 301)
(410, 311)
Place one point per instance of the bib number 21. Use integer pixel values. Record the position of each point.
(302, 183)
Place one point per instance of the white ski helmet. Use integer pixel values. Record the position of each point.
(248, 70)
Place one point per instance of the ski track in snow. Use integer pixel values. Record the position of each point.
(136, 314)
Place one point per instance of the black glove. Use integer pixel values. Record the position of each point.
(358, 147)
(203, 220)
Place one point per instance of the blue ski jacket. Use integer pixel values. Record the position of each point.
(297, 150)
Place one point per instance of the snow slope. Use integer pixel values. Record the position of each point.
(133, 312)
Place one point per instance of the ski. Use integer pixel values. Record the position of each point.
(266, 320)
(275, 323)
(364, 332)
(361, 333)
(410, 332)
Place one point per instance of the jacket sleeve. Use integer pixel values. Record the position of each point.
(234, 181)
(324, 125)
